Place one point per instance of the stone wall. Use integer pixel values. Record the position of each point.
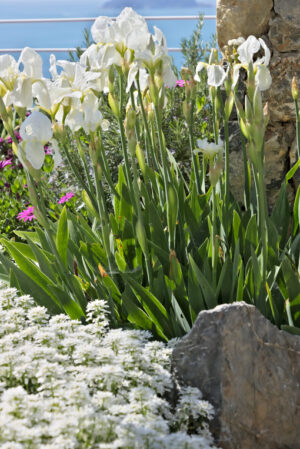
(278, 23)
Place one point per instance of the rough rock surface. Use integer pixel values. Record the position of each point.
(250, 371)
(241, 18)
(284, 27)
(278, 23)
(283, 66)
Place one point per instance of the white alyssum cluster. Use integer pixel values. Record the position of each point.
(67, 385)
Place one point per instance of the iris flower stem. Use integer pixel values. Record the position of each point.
(247, 176)
(79, 177)
(123, 138)
(214, 240)
(226, 136)
(262, 214)
(140, 217)
(127, 169)
(166, 175)
(137, 125)
(105, 167)
(192, 148)
(214, 123)
(104, 223)
(297, 127)
(149, 145)
(203, 187)
(84, 163)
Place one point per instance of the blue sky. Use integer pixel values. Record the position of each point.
(57, 5)
(67, 35)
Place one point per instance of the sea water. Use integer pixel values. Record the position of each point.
(68, 35)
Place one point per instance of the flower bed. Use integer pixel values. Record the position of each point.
(157, 243)
(68, 385)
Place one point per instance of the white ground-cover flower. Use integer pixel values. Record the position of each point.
(68, 385)
(36, 131)
(236, 42)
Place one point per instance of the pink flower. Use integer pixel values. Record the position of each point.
(180, 83)
(47, 150)
(26, 214)
(66, 198)
(5, 163)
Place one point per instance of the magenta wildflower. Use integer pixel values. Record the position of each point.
(26, 214)
(5, 163)
(2, 140)
(47, 150)
(19, 138)
(180, 83)
(9, 139)
(65, 198)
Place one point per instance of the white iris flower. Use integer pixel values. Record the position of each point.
(36, 131)
(246, 52)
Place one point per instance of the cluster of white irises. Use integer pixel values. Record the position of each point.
(245, 50)
(70, 97)
(71, 386)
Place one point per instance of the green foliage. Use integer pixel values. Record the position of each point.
(194, 49)
(160, 236)
(87, 41)
(13, 193)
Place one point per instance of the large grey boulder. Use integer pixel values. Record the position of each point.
(250, 371)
